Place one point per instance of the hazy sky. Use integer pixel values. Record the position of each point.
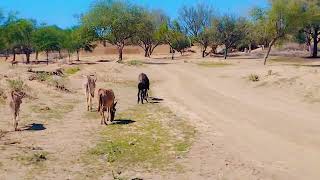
(62, 12)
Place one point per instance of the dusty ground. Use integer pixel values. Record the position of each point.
(267, 129)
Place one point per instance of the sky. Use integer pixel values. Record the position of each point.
(64, 12)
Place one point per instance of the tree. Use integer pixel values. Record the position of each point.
(148, 36)
(47, 39)
(19, 36)
(78, 38)
(174, 36)
(259, 27)
(230, 30)
(312, 28)
(283, 18)
(196, 21)
(115, 22)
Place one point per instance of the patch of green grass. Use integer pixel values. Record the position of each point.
(146, 137)
(214, 64)
(134, 63)
(72, 70)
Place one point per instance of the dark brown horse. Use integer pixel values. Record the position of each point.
(143, 87)
(107, 103)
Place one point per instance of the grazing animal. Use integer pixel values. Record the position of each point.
(15, 102)
(143, 87)
(106, 103)
(90, 87)
(142, 92)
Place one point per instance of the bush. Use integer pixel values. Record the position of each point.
(43, 76)
(17, 85)
(58, 82)
(254, 77)
(72, 70)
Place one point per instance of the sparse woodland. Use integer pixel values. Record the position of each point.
(122, 24)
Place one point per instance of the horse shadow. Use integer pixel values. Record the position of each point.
(34, 127)
(155, 100)
(123, 122)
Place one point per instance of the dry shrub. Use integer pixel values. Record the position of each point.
(58, 82)
(254, 77)
(17, 85)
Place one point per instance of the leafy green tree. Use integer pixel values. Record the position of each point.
(312, 28)
(19, 37)
(230, 30)
(47, 39)
(148, 36)
(115, 22)
(174, 36)
(259, 27)
(283, 18)
(78, 38)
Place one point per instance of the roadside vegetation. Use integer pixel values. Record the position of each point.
(147, 137)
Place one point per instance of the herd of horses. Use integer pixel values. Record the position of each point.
(106, 99)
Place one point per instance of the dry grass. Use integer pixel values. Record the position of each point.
(214, 64)
(134, 63)
(147, 137)
(254, 77)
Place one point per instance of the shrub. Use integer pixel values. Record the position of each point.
(58, 82)
(17, 85)
(254, 77)
(72, 70)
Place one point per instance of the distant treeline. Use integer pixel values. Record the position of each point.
(120, 24)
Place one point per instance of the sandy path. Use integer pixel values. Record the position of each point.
(245, 133)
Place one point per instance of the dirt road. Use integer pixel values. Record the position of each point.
(245, 132)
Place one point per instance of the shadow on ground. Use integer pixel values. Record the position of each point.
(34, 127)
(123, 122)
(155, 100)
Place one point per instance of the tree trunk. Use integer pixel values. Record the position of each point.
(14, 56)
(7, 55)
(47, 52)
(60, 56)
(315, 43)
(146, 51)
(225, 53)
(269, 50)
(120, 49)
(37, 55)
(69, 54)
(78, 56)
(250, 48)
(28, 57)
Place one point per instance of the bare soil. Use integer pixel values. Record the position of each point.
(268, 129)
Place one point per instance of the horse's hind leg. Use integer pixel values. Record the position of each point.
(146, 95)
(105, 122)
(138, 96)
(15, 122)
